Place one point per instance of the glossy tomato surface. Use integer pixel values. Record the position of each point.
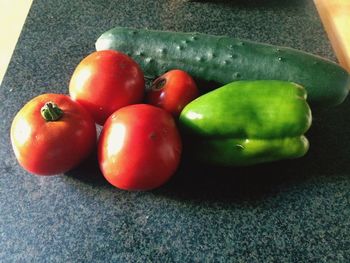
(51, 147)
(139, 147)
(172, 91)
(105, 81)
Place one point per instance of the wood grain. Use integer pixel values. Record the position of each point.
(335, 15)
(12, 16)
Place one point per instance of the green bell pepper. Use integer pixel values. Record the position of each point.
(248, 122)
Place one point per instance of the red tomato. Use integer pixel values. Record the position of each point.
(48, 147)
(105, 81)
(172, 91)
(139, 147)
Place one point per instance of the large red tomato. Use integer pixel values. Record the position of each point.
(51, 134)
(105, 81)
(139, 147)
(173, 91)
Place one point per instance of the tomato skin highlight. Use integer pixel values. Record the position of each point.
(105, 81)
(139, 147)
(52, 147)
(172, 91)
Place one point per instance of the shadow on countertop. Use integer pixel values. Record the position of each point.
(194, 181)
(89, 172)
(327, 158)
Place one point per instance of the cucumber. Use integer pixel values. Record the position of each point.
(221, 60)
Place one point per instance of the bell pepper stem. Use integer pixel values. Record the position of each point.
(51, 112)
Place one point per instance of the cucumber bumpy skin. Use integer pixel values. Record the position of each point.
(222, 59)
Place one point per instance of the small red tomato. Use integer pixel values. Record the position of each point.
(172, 91)
(52, 134)
(139, 147)
(105, 81)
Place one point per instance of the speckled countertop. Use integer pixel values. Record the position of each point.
(292, 211)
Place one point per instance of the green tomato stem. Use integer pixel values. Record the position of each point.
(51, 112)
(158, 84)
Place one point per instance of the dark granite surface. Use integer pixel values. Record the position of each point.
(292, 211)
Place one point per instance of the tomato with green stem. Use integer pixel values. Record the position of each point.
(172, 91)
(52, 134)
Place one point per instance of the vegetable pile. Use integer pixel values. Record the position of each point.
(259, 113)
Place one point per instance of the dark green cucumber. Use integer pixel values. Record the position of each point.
(222, 59)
